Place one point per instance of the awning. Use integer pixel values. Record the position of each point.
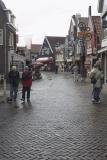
(37, 63)
(102, 50)
(45, 59)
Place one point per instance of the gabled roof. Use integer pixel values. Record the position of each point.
(35, 48)
(97, 24)
(71, 27)
(2, 5)
(5, 10)
(53, 41)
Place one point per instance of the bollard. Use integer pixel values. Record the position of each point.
(4, 78)
(3, 87)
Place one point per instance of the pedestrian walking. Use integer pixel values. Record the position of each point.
(96, 76)
(56, 68)
(83, 73)
(75, 71)
(102, 80)
(14, 80)
(26, 83)
(62, 68)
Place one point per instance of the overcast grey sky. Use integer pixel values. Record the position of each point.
(36, 18)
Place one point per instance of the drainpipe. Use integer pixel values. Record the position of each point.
(5, 62)
(105, 70)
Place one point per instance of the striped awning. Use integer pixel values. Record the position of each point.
(102, 50)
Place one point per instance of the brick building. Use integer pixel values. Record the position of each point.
(7, 37)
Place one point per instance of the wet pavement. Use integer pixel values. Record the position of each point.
(60, 123)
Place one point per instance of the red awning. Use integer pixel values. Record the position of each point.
(44, 59)
(38, 63)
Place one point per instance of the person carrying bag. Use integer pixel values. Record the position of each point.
(96, 77)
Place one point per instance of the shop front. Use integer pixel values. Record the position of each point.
(48, 63)
(103, 53)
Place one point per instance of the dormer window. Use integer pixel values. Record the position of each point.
(8, 12)
(11, 17)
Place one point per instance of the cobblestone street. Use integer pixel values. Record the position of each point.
(60, 123)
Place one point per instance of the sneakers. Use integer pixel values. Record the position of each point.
(28, 100)
(14, 99)
(93, 100)
(23, 99)
(9, 99)
(99, 102)
(96, 102)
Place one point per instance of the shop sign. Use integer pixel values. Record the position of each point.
(89, 51)
(84, 34)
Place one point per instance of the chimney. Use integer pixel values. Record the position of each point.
(89, 11)
(78, 15)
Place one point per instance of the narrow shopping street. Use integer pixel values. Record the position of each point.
(60, 123)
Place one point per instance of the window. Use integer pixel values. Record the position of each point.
(11, 39)
(105, 6)
(9, 16)
(42, 51)
(13, 20)
(47, 51)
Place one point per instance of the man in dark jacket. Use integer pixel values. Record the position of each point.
(26, 82)
(14, 79)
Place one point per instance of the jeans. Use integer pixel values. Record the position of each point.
(75, 76)
(24, 90)
(96, 93)
(13, 91)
